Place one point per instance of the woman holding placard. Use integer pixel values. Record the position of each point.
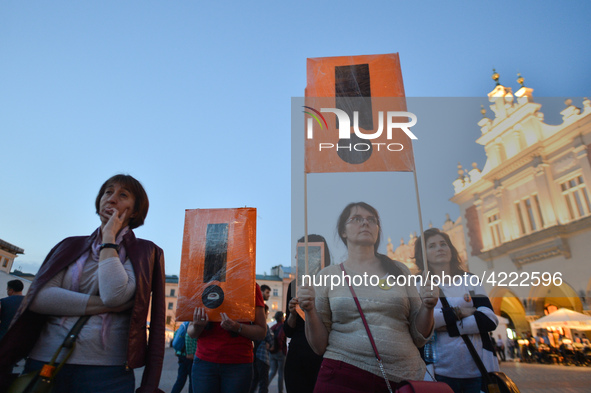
(224, 357)
(397, 319)
(464, 309)
(302, 364)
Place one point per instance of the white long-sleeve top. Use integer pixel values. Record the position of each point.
(453, 358)
(115, 283)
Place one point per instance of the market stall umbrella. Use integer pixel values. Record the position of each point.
(564, 318)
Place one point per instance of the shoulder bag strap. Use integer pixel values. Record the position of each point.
(373, 344)
(49, 370)
(471, 348)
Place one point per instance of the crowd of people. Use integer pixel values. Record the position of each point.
(106, 281)
(329, 327)
(548, 348)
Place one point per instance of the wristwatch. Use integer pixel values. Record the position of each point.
(110, 245)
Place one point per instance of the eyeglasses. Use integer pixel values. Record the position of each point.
(358, 220)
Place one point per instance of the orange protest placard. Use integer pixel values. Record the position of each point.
(356, 116)
(218, 264)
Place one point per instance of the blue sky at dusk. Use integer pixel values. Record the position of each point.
(194, 100)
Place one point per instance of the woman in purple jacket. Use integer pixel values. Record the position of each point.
(110, 276)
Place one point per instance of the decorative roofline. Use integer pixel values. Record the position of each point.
(11, 248)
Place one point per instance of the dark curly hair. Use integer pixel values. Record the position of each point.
(455, 263)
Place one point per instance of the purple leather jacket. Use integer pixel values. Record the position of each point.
(147, 260)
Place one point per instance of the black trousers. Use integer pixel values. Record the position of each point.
(260, 377)
(501, 352)
(301, 371)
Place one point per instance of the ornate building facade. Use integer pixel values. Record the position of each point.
(527, 213)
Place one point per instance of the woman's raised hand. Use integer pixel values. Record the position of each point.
(306, 298)
(466, 311)
(114, 225)
(292, 305)
(200, 317)
(429, 296)
(229, 324)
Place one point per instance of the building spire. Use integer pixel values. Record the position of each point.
(495, 77)
(520, 79)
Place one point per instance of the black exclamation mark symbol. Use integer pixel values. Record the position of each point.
(353, 93)
(216, 256)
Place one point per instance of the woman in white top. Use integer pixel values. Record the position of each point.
(400, 321)
(470, 312)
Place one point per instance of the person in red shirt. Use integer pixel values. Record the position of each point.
(224, 357)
